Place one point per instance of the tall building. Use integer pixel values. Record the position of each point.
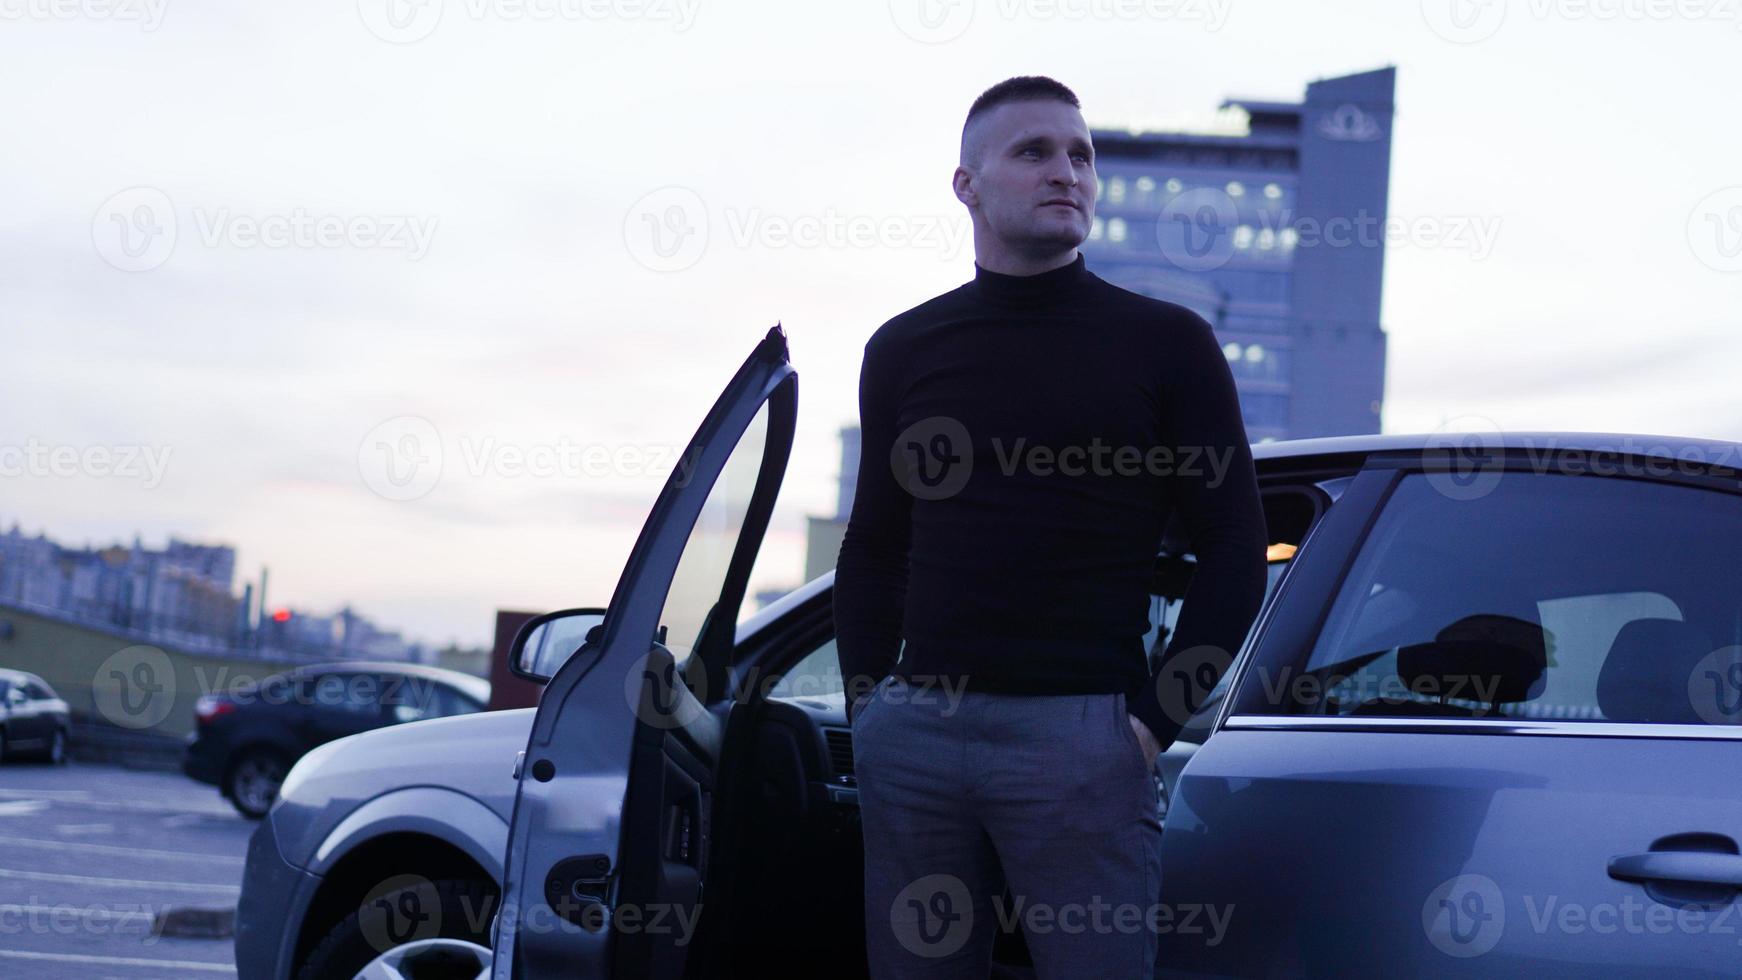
(1272, 229)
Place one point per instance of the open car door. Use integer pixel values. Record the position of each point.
(608, 848)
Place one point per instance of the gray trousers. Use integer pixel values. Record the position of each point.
(964, 793)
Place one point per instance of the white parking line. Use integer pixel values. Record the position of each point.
(186, 886)
(88, 912)
(22, 808)
(36, 800)
(17, 954)
(83, 848)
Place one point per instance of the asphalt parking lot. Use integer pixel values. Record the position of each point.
(91, 854)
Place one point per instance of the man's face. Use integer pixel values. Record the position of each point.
(1035, 183)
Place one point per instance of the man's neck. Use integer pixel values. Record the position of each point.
(1008, 264)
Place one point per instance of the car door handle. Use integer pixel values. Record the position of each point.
(1684, 866)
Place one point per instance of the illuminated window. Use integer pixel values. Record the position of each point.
(1116, 190)
(1145, 185)
(1236, 189)
(1173, 185)
(1254, 353)
(1243, 236)
(1267, 238)
(1231, 351)
(1095, 230)
(1272, 191)
(1289, 237)
(1116, 230)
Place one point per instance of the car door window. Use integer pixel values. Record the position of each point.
(695, 585)
(352, 693)
(36, 691)
(1552, 596)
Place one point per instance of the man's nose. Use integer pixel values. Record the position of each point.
(1062, 174)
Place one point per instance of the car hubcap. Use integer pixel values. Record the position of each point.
(257, 782)
(430, 958)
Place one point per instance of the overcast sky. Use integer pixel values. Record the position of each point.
(385, 217)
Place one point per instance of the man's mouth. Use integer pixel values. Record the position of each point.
(1068, 204)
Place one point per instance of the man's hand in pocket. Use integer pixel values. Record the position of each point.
(1145, 738)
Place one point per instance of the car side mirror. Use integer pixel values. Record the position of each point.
(546, 642)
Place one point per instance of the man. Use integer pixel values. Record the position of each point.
(1025, 438)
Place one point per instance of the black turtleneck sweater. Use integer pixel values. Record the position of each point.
(1024, 441)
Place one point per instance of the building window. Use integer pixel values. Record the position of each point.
(1145, 185)
(1254, 353)
(1231, 351)
(1289, 237)
(1095, 230)
(1236, 189)
(1273, 191)
(1116, 230)
(1173, 185)
(1243, 236)
(1116, 190)
(1267, 239)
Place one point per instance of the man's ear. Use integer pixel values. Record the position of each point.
(963, 184)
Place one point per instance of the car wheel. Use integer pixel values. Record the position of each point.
(412, 915)
(253, 781)
(56, 755)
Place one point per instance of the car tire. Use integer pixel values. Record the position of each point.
(253, 779)
(466, 908)
(56, 753)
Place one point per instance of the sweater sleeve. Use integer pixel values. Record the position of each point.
(1219, 506)
(871, 570)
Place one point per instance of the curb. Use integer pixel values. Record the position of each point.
(191, 922)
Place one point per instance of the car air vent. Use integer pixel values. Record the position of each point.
(840, 750)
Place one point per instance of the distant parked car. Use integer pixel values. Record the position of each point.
(247, 740)
(33, 719)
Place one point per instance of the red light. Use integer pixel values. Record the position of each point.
(209, 707)
(281, 615)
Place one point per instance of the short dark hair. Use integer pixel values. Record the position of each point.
(1022, 88)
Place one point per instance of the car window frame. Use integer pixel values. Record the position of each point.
(1290, 630)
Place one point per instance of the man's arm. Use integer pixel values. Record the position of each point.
(871, 571)
(1217, 497)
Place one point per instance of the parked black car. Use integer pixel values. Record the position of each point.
(33, 719)
(247, 740)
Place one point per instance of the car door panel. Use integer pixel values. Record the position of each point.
(1449, 837)
(612, 814)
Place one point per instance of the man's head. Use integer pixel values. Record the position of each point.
(1027, 173)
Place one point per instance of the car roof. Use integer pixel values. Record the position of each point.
(1712, 452)
(20, 677)
(473, 687)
